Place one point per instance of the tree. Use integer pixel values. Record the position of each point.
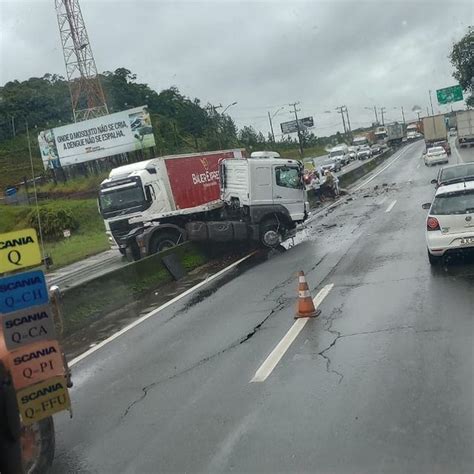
(248, 136)
(462, 58)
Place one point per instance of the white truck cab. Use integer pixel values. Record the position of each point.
(260, 184)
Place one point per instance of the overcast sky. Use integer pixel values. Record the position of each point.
(263, 55)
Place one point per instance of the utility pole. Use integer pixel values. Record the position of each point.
(375, 113)
(403, 116)
(431, 103)
(270, 119)
(341, 111)
(348, 124)
(382, 110)
(271, 126)
(295, 111)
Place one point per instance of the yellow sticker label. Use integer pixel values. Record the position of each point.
(19, 249)
(43, 399)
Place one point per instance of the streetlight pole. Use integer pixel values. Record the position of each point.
(230, 105)
(270, 119)
(36, 194)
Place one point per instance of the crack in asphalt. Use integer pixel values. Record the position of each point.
(339, 335)
(293, 277)
(329, 369)
(281, 303)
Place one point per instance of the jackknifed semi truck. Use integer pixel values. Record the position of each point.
(220, 196)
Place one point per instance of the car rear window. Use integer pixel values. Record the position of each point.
(453, 203)
(458, 172)
(438, 149)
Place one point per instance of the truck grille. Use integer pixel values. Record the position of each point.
(120, 228)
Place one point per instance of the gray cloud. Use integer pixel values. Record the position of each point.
(261, 54)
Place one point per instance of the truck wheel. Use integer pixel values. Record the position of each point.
(165, 240)
(270, 233)
(37, 446)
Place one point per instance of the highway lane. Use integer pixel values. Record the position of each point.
(462, 155)
(86, 269)
(380, 382)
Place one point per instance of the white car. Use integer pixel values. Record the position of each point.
(352, 151)
(435, 155)
(450, 221)
(364, 152)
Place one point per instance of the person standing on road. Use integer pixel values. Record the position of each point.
(316, 186)
(329, 183)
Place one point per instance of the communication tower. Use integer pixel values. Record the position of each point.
(87, 95)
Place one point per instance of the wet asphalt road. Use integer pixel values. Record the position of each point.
(381, 382)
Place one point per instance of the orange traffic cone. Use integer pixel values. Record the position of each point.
(306, 307)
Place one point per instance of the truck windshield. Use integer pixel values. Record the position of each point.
(336, 153)
(119, 199)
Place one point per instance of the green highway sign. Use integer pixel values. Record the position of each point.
(449, 94)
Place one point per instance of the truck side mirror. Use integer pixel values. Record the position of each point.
(434, 181)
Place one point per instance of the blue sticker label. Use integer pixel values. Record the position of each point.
(22, 291)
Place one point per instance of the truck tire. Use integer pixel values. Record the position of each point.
(38, 444)
(165, 240)
(271, 232)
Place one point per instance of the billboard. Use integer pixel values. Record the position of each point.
(99, 137)
(291, 126)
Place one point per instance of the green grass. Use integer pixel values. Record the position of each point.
(308, 152)
(77, 185)
(89, 239)
(76, 248)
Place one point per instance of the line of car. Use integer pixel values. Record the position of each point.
(342, 155)
(450, 220)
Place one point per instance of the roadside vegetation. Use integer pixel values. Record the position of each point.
(79, 216)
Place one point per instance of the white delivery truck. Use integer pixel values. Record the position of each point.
(156, 204)
(360, 140)
(465, 125)
(434, 129)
